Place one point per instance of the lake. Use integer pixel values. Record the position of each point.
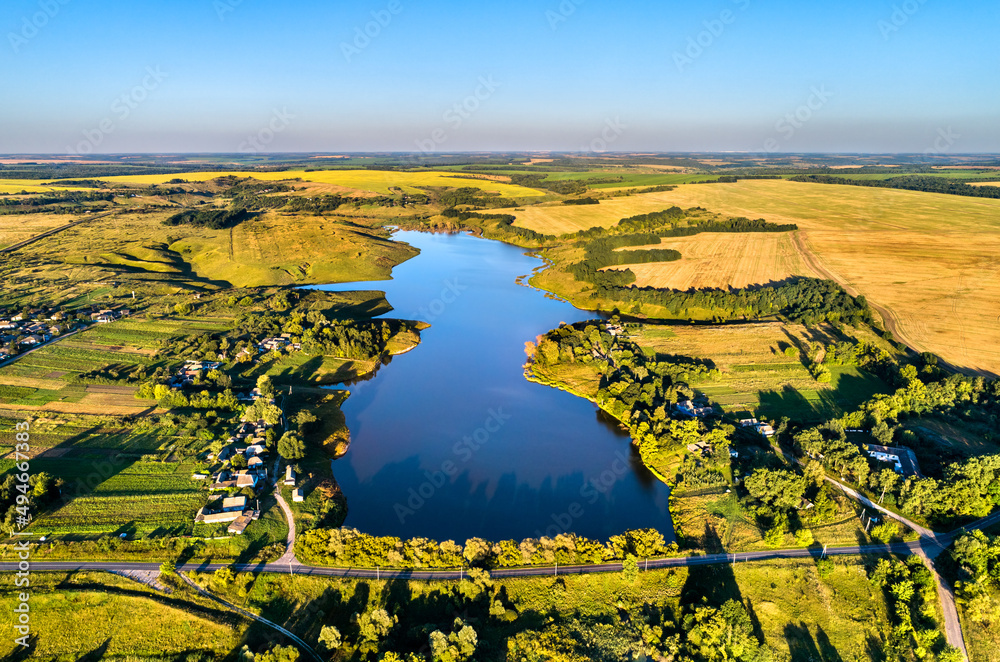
(450, 441)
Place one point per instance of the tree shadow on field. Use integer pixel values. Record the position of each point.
(786, 402)
(96, 654)
(22, 653)
(804, 647)
(711, 584)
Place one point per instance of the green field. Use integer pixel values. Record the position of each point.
(90, 616)
(757, 376)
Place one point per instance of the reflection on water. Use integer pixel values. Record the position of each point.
(450, 441)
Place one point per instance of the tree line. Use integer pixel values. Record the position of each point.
(345, 547)
(803, 300)
(928, 184)
(213, 219)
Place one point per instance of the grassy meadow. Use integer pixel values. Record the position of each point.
(90, 616)
(757, 376)
(270, 249)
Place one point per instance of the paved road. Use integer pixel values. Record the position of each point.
(923, 547)
(432, 575)
(49, 233)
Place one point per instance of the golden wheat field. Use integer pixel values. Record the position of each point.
(14, 229)
(930, 261)
(723, 260)
(375, 181)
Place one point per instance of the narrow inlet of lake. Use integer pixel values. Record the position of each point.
(450, 441)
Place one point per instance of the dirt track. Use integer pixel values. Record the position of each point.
(889, 319)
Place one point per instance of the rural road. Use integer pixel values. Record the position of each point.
(288, 558)
(52, 341)
(49, 233)
(925, 547)
(306, 647)
(888, 317)
(930, 546)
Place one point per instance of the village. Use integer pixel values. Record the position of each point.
(240, 476)
(25, 331)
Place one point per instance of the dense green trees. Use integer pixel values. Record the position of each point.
(291, 446)
(213, 219)
(911, 592)
(25, 498)
(499, 227)
(929, 184)
(778, 489)
(640, 390)
(808, 301)
(350, 548)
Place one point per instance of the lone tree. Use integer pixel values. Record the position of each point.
(291, 447)
(329, 637)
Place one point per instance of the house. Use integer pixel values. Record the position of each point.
(688, 408)
(216, 517)
(903, 460)
(297, 495)
(219, 510)
(747, 422)
(239, 525)
(32, 340)
(700, 448)
(247, 478)
(256, 449)
(230, 504)
(765, 429)
(289, 476)
(255, 462)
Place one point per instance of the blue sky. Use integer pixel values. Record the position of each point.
(743, 75)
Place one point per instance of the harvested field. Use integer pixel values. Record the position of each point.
(723, 260)
(930, 261)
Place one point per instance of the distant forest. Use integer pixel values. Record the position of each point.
(928, 184)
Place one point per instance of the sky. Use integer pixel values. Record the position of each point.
(879, 76)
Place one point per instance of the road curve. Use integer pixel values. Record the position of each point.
(306, 647)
